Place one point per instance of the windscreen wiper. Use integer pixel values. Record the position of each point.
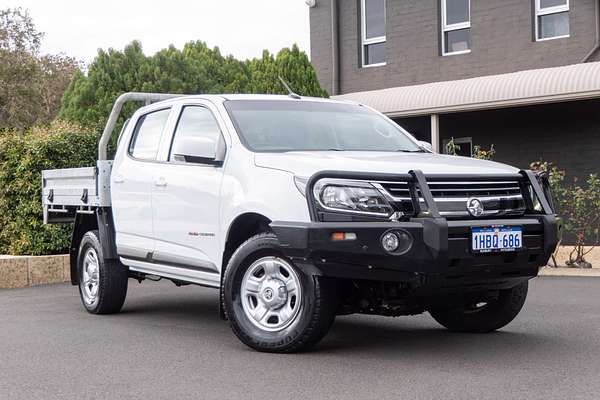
(411, 151)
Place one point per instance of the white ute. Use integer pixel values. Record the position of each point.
(299, 209)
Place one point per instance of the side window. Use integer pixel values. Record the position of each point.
(196, 126)
(146, 137)
(372, 16)
(551, 19)
(456, 26)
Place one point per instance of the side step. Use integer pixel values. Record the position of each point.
(210, 279)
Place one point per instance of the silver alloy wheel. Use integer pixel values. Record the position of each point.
(90, 277)
(271, 294)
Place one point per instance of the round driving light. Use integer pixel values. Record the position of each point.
(397, 241)
(390, 242)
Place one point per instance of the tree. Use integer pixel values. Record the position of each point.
(31, 85)
(194, 69)
(89, 99)
(17, 32)
(295, 68)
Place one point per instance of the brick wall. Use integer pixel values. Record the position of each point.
(502, 41)
(320, 39)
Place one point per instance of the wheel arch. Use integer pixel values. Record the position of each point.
(101, 220)
(242, 228)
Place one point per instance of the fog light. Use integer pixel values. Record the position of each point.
(390, 242)
(396, 242)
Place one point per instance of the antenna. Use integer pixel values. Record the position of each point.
(290, 91)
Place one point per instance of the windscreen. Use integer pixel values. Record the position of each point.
(282, 125)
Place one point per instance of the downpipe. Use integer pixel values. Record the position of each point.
(335, 52)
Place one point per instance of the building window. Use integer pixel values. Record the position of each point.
(373, 32)
(462, 146)
(456, 27)
(551, 19)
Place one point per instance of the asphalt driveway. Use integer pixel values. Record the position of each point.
(168, 343)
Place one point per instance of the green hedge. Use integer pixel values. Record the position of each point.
(22, 158)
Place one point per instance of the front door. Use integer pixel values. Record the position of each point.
(186, 203)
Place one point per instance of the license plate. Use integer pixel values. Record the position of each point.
(496, 238)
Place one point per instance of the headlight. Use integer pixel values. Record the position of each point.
(351, 196)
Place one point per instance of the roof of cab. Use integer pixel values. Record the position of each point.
(279, 97)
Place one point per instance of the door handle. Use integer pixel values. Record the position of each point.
(119, 179)
(160, 182)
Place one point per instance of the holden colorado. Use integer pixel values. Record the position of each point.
(296, 210)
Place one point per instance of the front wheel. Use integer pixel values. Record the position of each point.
(271, 304)
(486, 316)
(102, 283)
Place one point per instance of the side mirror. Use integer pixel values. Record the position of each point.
(199, 150)
(426, 145)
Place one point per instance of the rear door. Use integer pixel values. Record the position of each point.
(132, 180)
(186, 205)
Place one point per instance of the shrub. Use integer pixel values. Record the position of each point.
(483, 154)
(578, 203)
(22, 158)
(478, 152)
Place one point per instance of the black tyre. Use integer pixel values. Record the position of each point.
(102, 283)
(271, 304)
(484, 317)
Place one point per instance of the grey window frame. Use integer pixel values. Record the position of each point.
(364, 41)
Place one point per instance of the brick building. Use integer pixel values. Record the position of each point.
(520, 74)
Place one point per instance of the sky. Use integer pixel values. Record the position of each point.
(242, 28)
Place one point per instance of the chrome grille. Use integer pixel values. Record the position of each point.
(499, 198)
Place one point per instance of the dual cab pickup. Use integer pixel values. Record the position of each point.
(298, 210)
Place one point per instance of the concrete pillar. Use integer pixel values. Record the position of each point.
(435, 132)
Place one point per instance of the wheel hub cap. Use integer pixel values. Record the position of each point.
(271, 294)
(274, 293)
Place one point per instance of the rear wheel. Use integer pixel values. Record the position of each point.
(102, 283)
(485, 316)
(271, 304)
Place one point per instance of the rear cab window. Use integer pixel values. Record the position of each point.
(146, 137)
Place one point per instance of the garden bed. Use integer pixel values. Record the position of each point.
(562, 256)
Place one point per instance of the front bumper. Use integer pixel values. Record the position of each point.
(440, 257)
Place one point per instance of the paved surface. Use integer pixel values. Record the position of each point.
(168, 343)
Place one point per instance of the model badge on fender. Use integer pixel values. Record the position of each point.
(203, 234)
